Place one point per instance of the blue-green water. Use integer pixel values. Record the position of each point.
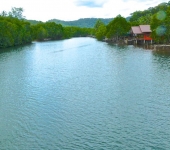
(83, 94)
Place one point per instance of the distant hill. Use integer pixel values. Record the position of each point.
(128, 18)
(84, 23)
(34, 22)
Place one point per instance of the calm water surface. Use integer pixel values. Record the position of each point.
(84, 94)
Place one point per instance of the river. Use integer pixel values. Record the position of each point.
(84, 94)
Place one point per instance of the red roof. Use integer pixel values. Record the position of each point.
(136, 30)
(145, 28)
(141, 29)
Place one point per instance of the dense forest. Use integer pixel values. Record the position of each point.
(13, 29)
(16, 30)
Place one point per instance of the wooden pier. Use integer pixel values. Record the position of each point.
(138, 41)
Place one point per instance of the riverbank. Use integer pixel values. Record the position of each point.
(146, 45)
(156, 47)
(161, 47)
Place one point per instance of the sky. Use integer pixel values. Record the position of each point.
(44, 10)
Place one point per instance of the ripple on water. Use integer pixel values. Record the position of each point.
(84, 94)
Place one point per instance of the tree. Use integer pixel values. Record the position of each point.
(16, 13)
(41, 34)
(97, 24)
(4, 14)
(146, 19)
(100, 30)
(160, 27)
(118, 27)
(14, 32)
(55, 31)
(6, 38)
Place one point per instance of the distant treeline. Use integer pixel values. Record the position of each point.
(16, 30)
(53, 31)
(83, 23)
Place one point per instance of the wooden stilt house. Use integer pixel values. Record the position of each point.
(141, 32)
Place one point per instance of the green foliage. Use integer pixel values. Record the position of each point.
(33, 22)
(160, 26)
(55, 31)
(97, 24)
(5, 35)
(77, 32)
(41, 33)
(145, 17)
(82, 23)
(14, 32)
(4, 14)
(100, 30)
(14, 13)
(47, 30)
(117, 27)
(159, 19)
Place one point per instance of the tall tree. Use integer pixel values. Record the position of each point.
(16, 13)
(118, 27)
(4, 14)
(100, 30)
(14, 32)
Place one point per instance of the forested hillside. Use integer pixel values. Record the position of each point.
(84, 23)
(145, 17)
(33, 22)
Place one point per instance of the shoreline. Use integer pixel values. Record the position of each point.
(154, 47)
(149, 46)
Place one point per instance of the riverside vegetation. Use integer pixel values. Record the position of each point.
(16, 30)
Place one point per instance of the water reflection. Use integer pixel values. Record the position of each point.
(145, 47)
(162, 59)
(162, 53)
(90, 95)
(14, 49)
(118, 46)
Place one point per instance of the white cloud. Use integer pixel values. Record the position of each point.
(69, 10)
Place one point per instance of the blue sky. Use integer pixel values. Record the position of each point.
(74, 9)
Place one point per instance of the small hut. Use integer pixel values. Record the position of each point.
(141, 32)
